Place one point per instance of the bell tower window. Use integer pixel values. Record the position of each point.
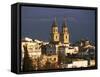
(66, 37)
(56, 37)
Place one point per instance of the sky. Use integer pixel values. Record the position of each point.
(36, 22)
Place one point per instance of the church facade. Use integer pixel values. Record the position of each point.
(56, 36)
(58, 39)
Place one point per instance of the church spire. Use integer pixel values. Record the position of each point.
(54, 23)
(65, 32)
(64, 26)
(64, 23)
(54, 32)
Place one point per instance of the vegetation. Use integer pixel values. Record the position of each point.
(27, 61)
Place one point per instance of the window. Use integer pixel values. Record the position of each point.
(56, 37)
(66, 37)
(56, 30)
(54, 59)
(36, 48)
(65, 30)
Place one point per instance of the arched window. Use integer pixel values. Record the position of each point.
(66, 37)
(56, 37)
(54, 59)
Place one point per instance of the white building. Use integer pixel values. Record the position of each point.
(78, 64)
(68, 50)
(81, 63)
(33, 47)
(92, 62)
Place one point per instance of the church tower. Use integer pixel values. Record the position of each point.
(65, 33)
(54, 32)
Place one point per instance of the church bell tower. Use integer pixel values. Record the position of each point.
(54, 32)
(65, 33)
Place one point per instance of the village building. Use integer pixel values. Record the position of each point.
(54, 52)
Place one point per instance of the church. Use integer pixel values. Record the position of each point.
(59, 44)
(58, 39)
(56, 36)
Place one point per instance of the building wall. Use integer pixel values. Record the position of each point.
(78, 64)
(65, 50)
(33, 48)
(51, 58)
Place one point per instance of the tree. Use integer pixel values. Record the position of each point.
(27, 61)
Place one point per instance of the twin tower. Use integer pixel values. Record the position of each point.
(57, 37)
